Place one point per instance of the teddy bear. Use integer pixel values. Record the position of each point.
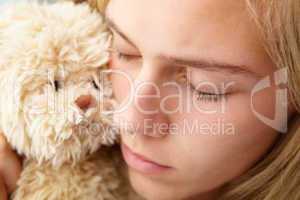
(56, 102)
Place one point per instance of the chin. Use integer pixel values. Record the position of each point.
(154, 188)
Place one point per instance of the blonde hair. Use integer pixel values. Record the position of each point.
(277, 175)
(99, 5)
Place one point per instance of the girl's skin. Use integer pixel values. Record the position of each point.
(154, 39)
(10, 168)
(218, 43)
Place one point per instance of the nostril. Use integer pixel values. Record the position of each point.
(84, 102)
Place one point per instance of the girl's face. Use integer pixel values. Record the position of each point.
(193, 136)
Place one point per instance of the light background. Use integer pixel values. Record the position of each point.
(13, 1)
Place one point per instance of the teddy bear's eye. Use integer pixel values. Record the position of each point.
(95, 84)
(57, 85)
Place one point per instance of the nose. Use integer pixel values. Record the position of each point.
(84, 102)
(143, 114)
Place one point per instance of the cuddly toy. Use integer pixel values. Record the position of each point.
(55, 104)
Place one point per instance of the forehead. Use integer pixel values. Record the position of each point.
(218, 29)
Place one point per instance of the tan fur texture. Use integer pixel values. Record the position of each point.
(94, 178)
(51, 56)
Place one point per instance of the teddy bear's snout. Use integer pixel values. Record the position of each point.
(84, 102)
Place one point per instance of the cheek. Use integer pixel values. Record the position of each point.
(222, 146)
(120, 86)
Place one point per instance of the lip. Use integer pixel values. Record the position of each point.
(140, 163)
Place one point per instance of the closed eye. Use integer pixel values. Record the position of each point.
(124, 56)
(127, 57)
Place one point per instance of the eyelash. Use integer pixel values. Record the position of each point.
(207, 97)
(126, 57)
(201, 96)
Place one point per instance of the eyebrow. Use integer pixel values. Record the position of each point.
(208, 65)
(213, 66)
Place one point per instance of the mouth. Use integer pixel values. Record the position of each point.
(141, 163)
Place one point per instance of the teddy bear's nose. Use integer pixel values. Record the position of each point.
(84, 102)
